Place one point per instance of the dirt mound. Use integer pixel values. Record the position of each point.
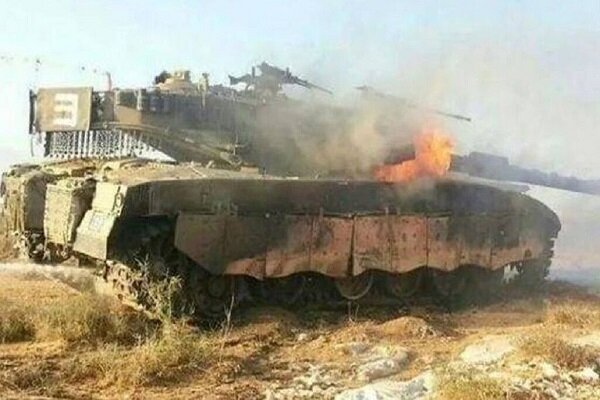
(406, 328)
(268, 323)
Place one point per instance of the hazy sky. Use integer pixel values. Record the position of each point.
(527, 72)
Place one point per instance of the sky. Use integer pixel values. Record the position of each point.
(526, 72)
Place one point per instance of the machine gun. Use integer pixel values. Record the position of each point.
(286, 77)
(271, 80)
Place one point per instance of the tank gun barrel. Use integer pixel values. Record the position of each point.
(499, 168)
(371, 92)
(308, 85)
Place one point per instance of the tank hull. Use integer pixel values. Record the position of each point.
(210, 225)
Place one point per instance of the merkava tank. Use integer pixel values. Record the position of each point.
(226, 218)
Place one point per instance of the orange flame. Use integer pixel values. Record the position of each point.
(433, 154)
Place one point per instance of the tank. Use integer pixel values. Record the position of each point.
(219, 225)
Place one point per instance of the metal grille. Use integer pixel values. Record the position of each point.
(95, 144)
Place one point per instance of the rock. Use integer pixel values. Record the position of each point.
(316, 376)
(376, 362)
(317, 382)
(427, 379)
(552, 393)
(548, 371)
(566, 378)
(490, 349)
(381, 362)
(355, 349)
(499, 375)
(586, 375)
(417, 388)
(379, 369)
(302, 337)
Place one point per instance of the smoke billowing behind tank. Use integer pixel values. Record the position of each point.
(316, 137)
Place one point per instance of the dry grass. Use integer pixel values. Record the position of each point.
(105, 343)
(16, 324)
(83, 319)
(91, 319)
(7, 242)
(166, 358)
(551, 348)
(581, 315)
(163, 359)
(38, 375)
(468, 385)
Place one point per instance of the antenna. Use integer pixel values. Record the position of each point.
(38, 63)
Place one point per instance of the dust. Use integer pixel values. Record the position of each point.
(78, 279)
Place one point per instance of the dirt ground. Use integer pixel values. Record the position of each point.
(266, 350)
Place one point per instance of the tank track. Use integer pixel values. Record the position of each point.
(159, 279)
(32, 245)
(156, 277)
